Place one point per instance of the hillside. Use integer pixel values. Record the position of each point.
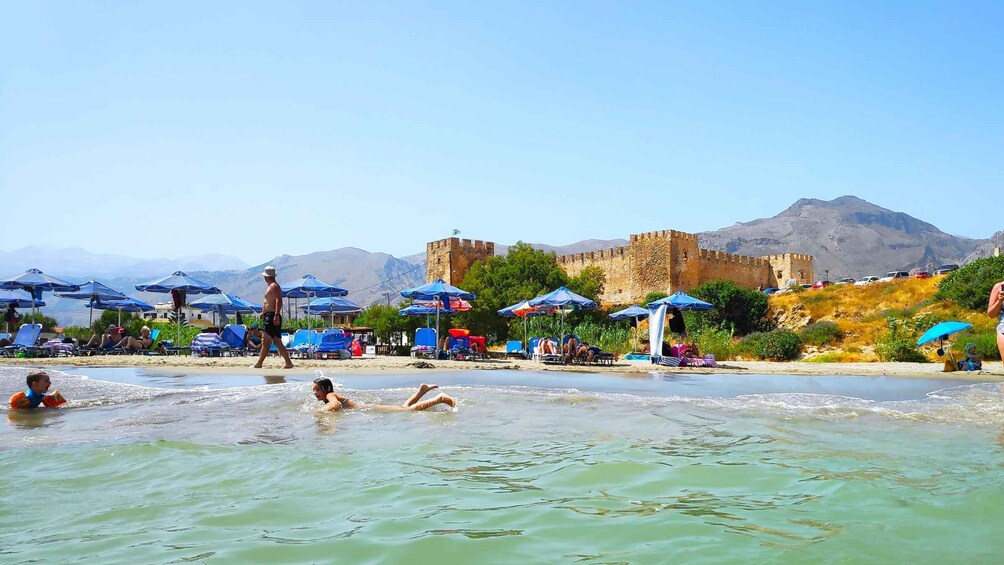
(861, 312)
(848, 236)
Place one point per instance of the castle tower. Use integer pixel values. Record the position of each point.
(788, 267)
(665, 260)
(450, 259)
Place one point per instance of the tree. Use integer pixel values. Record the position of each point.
(737, 308)
(387, 323)
(47, 322)
(970, 286)
(501, 281)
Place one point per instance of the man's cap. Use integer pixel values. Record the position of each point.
(254, 324)
(269, 271)
(112, 326)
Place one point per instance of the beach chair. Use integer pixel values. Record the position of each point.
(234, 335)
(57, 347)
(514, 348)
(24, 341)
(459, 348)
(302, 344)
(208, 345)
(425, 343)
(151, 350)
(334, 344)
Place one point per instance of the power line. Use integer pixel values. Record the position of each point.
(417, 267)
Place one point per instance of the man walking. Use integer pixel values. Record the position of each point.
(271, 320)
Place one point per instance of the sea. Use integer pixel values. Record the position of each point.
(178, 466)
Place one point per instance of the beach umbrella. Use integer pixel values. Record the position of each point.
(437, 289)
(36, 282)
(563, 299)
(331, 305)
(525, 311)
(19, 299)
(427, 311)
(224, 304)
(179, 285)
(682, 301)
(93, 291)
(631, 312)
(308, 286)
(942, 331)
(129, 304)
(454, 303)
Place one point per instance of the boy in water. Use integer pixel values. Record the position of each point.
(324, 391)
(38, 385)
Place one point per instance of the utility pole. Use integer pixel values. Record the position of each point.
(387, 296)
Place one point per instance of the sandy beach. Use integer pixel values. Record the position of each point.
(384, 364)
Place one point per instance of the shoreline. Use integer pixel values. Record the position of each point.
(378, 365)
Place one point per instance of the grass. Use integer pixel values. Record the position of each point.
(861, 313)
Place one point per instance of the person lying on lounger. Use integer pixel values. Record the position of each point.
(587, 352)
(106, 340)
(324, 391)
(144, 341)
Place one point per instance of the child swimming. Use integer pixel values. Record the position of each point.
(38, 384)
(324, 391)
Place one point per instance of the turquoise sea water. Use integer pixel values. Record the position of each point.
(160, 467)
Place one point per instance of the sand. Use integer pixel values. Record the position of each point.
(371, 365)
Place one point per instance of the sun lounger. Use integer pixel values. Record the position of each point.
(208, 345)
(233, 335)
(514, 348)
(24, 341)
(425, 343)
(334, 344)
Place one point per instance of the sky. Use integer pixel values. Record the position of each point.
(165, 129)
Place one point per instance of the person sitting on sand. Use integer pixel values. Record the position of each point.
(136, 344)
(324, 391)
(38, 385)
(252, 341)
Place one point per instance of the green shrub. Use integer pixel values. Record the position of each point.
(822, 333)
(970, 286)
(899, 343)
(779, 345)
(986, 345)
(746, 347)
(740, 309)
(717, 342)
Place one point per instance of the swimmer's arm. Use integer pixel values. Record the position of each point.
(333, 404)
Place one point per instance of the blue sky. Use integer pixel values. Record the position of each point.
(256, 129)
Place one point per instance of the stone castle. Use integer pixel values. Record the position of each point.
(664, 261)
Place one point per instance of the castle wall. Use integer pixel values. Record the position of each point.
(665, 261)
(752, 272)
(616, 265)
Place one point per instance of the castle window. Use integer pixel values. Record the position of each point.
(801, 274)
(780, 275)
(684, 255)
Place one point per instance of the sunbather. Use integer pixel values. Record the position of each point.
(587, 352)
(570, 349)
(546, 347)
(252, 341)
(144, 341)
(324, 391)
(106, 340)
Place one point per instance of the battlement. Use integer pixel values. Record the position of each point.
(664, 234)
(467, 245)
(590, 256)
(783, 256)
(724, 257)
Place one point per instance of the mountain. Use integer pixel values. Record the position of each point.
(74, 263)
(571, 248)
(986, 248)
(369, 277)
(848, 236)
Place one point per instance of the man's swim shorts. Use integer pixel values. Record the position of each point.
(268, 325)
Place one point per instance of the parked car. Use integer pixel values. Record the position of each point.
(922, 275)
(945, 269)
(821, 284)
(845, 280)
(770, 290)
(805, 286)
(866, 280)
(893, 275)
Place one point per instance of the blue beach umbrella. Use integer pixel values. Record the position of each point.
(332, 305)
(94, 292)
(682, 301)
(634, 311)
(427, 311)
(35, 282)
(563, 298)
(437, 289)
(309, 287)
(942, 331)
(19, 299)
(179, 285)
(128, 305)
(224, 304)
